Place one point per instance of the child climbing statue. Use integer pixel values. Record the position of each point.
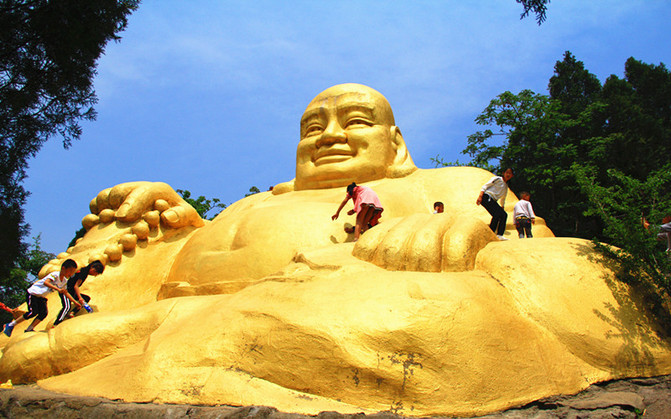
(366, 205)
(73, 295)
(663, 231)
(496, 188)
(523, 215)
(36, 298)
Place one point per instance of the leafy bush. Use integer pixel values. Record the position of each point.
(623, 207)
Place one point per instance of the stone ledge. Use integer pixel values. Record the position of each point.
(629, 398)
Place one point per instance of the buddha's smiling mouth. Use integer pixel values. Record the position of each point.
(331, 156)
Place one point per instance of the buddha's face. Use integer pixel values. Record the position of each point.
(347, 135)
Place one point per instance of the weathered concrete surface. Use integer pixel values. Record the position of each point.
(631, 398)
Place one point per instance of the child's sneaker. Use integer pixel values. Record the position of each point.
(8, 329)
(502, 238)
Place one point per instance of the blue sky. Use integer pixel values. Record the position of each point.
(207, 95)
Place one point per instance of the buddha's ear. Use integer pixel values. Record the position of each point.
(402, 164)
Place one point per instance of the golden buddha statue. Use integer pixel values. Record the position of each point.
(272, 303)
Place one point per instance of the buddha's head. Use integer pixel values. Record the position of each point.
(348, 134)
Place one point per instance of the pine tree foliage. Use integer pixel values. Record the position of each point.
(538, 7)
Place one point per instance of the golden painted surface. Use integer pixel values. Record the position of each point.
(273, 304)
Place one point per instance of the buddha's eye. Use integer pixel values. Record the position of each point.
(313, 129)
(358, 122)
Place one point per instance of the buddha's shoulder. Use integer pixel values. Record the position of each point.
(461, 174)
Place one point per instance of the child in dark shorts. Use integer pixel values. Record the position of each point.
(73, 294)
(37, 296)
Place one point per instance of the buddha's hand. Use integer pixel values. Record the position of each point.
(125, 215)
(425, 242)
(152, 201)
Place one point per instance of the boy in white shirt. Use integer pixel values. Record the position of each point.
(523, 215)
(37, 296)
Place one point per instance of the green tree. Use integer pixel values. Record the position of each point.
(622, 205)
(48, 54)
(78, 234)
(575, 92)
(25, 270)
(638, 114)
(514, 121)
(573, 86)
(203, 205)
(523, 133)
(624, 125)
(595, 158)
(35, 258)
(253, 190)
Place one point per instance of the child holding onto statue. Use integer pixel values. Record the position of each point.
(37, 296)
(663, 231)
(73, 294)
(523, 215)
(496, 188)
(367, 207)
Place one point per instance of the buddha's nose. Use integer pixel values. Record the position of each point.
(333, 133)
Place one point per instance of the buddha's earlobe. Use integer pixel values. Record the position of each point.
(402, 164)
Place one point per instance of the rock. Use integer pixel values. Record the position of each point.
(648, 397)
